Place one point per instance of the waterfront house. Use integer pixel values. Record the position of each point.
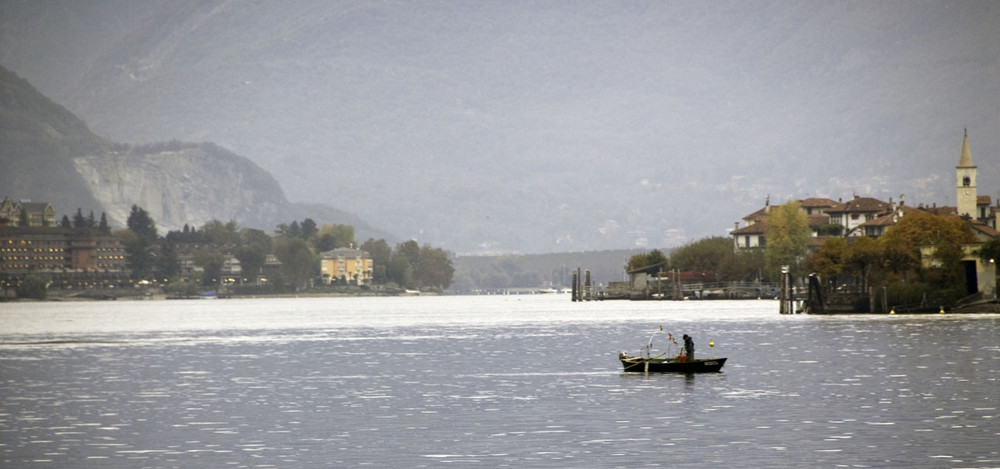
(346, 266)
(856, 212)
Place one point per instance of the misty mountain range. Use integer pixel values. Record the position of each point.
(49, 155)
(539, 127)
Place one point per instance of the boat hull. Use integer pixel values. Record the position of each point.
(670, 365)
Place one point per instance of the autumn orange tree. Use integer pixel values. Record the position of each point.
(945, 234)
(828, 261)
(898, 251)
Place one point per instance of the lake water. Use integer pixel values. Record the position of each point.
(465, 381)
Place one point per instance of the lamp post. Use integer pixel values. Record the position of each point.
(996, 281)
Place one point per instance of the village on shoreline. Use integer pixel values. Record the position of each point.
(833, 256)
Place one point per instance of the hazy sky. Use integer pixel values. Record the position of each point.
(541, 126)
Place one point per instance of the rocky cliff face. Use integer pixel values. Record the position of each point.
(184, 183)
(181, 186)
(48, 154)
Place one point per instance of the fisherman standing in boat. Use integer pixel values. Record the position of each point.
(689, 347)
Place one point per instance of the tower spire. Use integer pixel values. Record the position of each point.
(965, 185)
(965, 160)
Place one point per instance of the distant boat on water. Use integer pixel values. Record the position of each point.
(668, 361)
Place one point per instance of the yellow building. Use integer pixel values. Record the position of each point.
(346, 266)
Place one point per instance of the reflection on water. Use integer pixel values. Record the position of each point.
(531, 381)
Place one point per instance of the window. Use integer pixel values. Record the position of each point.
(966, 182)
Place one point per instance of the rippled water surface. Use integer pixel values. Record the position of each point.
(488, 381)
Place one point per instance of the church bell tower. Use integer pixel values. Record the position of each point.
(965, 173)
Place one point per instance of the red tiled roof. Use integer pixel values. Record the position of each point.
(860, 204)
(986, 230)
(817, 202)
(889, 219)
(756, 228)
(757, 216)
(942, 210)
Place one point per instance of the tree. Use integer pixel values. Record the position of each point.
(211, 261)
(435, 269)
(167, 262)
(65, 222)
(921, 228)
(324, 242)
(289, 230)
(864, 258)
(298, 262)
(641, 261)
(410, 249)
(743, 266)
(103, 227)
(703, 254)
(381, 255)
(402, 268)
(400, 271)
(256, 239)
(787, 236)
(949, 267)
(637, 261)
(989, 251)
(252, 259)
(946, 234)
(222, 234)
(307, 228)
(899, 258)
(138, 252)
(140, 223)
(333, 236)
(79, 221)
(829, 260)
(139, 240)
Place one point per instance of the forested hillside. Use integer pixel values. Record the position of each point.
(39, 141)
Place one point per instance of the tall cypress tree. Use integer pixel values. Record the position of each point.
(103, 227)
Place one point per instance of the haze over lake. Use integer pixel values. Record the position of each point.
(533, 128)
(488, 381)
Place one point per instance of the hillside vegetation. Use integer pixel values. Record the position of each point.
(39, 141)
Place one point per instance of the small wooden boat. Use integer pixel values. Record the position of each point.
(669, 361)
(670, 365)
